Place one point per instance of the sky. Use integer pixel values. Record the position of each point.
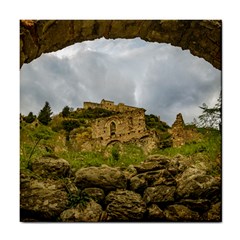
(163, 79)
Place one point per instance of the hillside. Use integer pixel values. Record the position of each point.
(65, 136)
(170, 174)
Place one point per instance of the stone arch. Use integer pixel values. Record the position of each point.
(107, 126)
(113, 142)
(144, 137)
(201, 37)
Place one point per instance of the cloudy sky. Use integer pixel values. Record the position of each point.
(163, 79)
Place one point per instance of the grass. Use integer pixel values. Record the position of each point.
(114, 156)
(129, 154)
(206, 151)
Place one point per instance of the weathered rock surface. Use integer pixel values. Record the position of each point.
(160, 159)
(201, 37)
(48, 166)
(181, 134)
(155, 213)
(130, 172)
(196, 184)
(42, 199)
(106, 178)
(159, 194)
(89, 213)
(125, 205)
(152, 178)
(97, 194)
(214, 214)
(149, 166)
(159, 189)
(181, 213)
(199, 205)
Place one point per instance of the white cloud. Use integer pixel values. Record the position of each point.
(158, 77)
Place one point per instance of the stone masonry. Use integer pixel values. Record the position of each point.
(109, 105)
(181, 134)
(202, 37)
(128, 123)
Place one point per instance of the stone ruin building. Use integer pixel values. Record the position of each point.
(181, 134)
(109, 105)
(128, 123)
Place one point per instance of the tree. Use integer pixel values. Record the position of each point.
(45, 114)
(30, 118)
(212, 117)
(66, 111)
(69, 125)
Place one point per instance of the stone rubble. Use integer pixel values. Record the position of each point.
(160, 189)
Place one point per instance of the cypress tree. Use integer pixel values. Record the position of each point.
(45, 114)
(30, 118)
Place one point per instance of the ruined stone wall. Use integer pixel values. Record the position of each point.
(128, 125)
(87, 105)
(109, 105)
(154, 190)
(181, 134)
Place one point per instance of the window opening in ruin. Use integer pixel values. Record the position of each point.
(112, 128)
(131, 120)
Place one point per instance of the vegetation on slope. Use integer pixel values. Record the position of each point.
(38, 139)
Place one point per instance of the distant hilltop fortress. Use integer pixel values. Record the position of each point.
(109, 105)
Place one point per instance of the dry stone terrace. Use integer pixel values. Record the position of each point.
(160, 189)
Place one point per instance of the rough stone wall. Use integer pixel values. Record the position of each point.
(159, 189)
(128, 125)
(201, 37)
(87, 105)
(180, 133)
(109, 105)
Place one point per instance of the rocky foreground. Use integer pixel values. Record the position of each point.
(158, 190)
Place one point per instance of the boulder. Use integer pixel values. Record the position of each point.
(103, 217)
(97, 194)
(152, 178)
(130, 172)
(180, 162)
(71, 187)
(104, 177)
(196, 184)
(42, 200)
(125, 205)
(159, 194)
(155, 213)
(148, 166)
(180, 213)
(49, 166)
(215, 213)
(198, 205)
(89, 213)
(160, 159)
(138, 183)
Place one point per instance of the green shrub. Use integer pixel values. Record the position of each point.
(80, 198)
(115, 153)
